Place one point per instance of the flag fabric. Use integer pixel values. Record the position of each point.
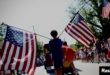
(18, 51)
(105, 9)
(77, 28)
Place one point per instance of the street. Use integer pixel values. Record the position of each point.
(87, 68)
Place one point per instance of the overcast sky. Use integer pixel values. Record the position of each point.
(44, 15)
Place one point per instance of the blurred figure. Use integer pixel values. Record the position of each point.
(108, 53)
(108, 56)
(48, 60)
(57, 56)
(68, 58)
(108, 40)
(98, 49)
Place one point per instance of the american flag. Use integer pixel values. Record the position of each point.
(105, 9)
(77, 28)
(18, 51)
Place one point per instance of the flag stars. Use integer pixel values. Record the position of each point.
(14, 36)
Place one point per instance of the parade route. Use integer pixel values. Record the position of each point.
(86, 68)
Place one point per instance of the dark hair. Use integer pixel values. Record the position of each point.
(54, 33)
(46, 46)
(65, 43)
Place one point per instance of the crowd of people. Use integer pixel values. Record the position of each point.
(59, 55)
(98, 52)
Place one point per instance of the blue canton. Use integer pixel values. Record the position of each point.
(105, 2)
(14, 36)
(77, 19)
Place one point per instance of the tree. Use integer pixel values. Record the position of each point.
(92, 15)
(76, 46)
(39, 48)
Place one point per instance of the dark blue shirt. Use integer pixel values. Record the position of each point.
(55, 48)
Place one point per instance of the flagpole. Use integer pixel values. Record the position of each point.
(39, 34)
(33, 29)
(27, 30)
(74, 16)
(43, 36)
(64, 29)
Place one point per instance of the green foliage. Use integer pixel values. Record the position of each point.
(1, 38)
(92, 15)
(39, 48)
(76, 46)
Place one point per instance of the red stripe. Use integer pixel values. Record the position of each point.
(33, 70)
(12, 57)
(87, 30)
(2, 52)
(83, 35)
(6, 57)
(32, 55)
(34, 64)
(77, 35)
(3, 49)
(19, 57)
(72, 35)
(26, 53)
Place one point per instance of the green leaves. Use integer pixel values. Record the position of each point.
(92, 15)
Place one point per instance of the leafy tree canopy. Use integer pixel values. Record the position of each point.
(92, 15)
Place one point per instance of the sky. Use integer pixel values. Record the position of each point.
(43, 15)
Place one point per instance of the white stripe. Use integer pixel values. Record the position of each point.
(31, 70)
(4, 54)
(9, 57)
(34, 59)
(15, 59)
(77, 38)
(29, 53)
(86, 28)
(84, 33)
(75, 31)
(23, 52)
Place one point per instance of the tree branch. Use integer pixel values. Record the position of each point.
(95, 25)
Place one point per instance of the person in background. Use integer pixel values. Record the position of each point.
(98, 49)
(55, 45)
(48, 60)
(68, 58)
(108, 40)
(108, 53)
(108, 56)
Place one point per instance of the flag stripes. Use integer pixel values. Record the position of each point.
(20, 55)
(105, 9)
(70, 31)
(78, 29)
(81, 31)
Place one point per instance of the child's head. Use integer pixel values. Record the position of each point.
(54, 33)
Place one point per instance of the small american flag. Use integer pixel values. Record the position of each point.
(105, 9)
(78, 29)
(18, 51)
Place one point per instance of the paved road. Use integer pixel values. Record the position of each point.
(87, 68)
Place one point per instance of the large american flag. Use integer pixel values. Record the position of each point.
(105, 9)
(18, 51)
(77, 28)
